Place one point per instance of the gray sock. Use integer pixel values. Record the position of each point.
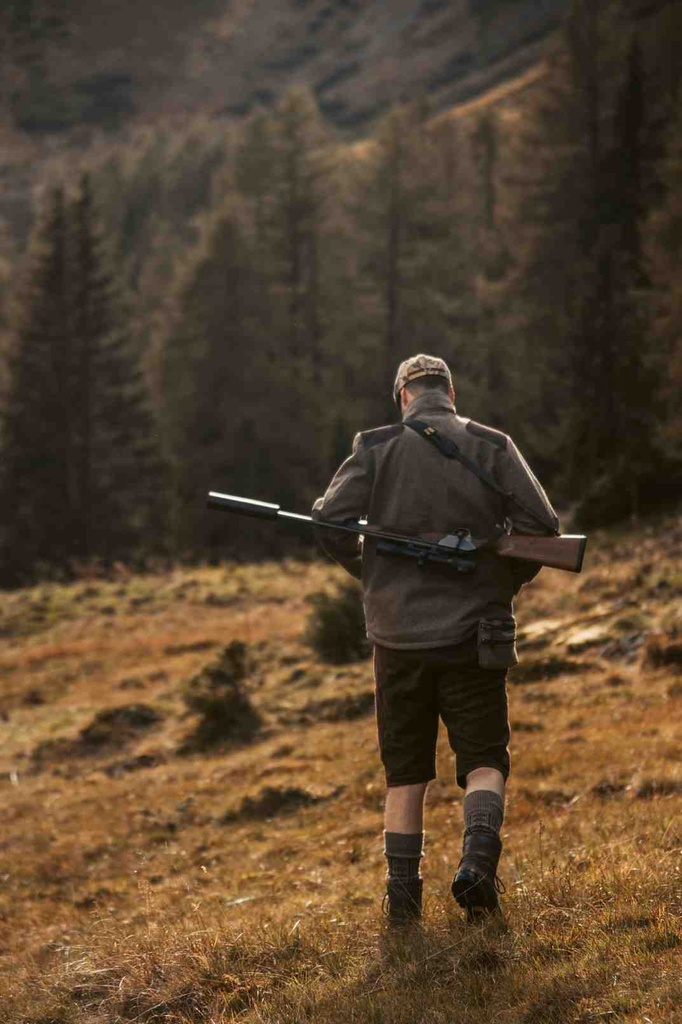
(483, 812)
(403, 852)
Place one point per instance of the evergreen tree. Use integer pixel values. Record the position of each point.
(664, 253)
(119, 482)
(80, 473)
(582, 160)
(37, 427)
(490, 266)
(410, 252)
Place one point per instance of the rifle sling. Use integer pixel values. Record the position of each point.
(451, 450)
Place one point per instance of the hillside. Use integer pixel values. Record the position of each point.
(130, 60)
(143, 880)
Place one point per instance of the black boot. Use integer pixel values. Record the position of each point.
(403, 900)
(475, 885)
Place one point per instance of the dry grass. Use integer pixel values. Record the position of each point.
(245, 883)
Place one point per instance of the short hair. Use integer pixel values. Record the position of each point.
(429, 382)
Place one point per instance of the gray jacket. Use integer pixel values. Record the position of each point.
(399, 482)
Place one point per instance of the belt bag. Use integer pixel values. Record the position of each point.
(497, 643)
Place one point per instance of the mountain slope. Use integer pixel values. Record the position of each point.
(125, 59)
(142, 881)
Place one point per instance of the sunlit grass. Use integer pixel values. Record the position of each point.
(135, 886)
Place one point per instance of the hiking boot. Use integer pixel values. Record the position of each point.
(475, 886)
(403, 900)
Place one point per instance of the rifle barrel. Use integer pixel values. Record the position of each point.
(565, 552)
(265, 510)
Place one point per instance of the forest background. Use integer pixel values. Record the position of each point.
(222, 301)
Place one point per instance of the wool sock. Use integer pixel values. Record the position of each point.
(403, 852)
(483, 812)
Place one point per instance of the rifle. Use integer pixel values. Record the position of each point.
(457, 549)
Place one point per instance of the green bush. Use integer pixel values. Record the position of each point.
(336, 626)
(217, 696)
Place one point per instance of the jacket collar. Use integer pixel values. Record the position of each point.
(430, 401)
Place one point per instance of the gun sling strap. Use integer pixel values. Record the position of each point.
(451, 450)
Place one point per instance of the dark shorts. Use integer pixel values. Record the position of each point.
(414, 688)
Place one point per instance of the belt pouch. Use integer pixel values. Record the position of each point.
(497, 643)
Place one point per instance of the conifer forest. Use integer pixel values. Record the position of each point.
(195, 302)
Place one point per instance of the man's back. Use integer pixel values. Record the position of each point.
(458, 627)
(402, 483)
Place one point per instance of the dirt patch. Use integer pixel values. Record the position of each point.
(273, 801)
(527, 727)
(133, 764)
(198, 645)
(608, 789)
(333, 709)
(113, 727)
(549, 797)
(650, 788)
(543, 669)
(662, 650)
(624, 648)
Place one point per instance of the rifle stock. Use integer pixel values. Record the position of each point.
(565, 552)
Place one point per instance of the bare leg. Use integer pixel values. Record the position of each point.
(486, 778)
(405, 808)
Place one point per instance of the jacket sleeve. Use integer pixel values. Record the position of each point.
(346, 499)
(521, 482)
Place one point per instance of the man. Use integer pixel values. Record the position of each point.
(432, 627)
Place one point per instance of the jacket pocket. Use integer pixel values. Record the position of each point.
(497, 643)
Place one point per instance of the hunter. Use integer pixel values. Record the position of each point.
(442, 641)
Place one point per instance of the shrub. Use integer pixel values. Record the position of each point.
(663, 650)
(336, 626)
(216, 694)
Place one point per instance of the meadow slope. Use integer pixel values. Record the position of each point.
(144, 880)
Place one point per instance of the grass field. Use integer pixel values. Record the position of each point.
(139, 882)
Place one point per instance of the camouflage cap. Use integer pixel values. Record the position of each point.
(420, 366)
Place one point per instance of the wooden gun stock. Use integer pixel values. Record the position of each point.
(565, 552)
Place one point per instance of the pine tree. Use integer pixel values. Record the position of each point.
(582, 160)
(664, 253)
(410, 253)
(37, 429)
(490, 266)
(119, 480)
(81, 474)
